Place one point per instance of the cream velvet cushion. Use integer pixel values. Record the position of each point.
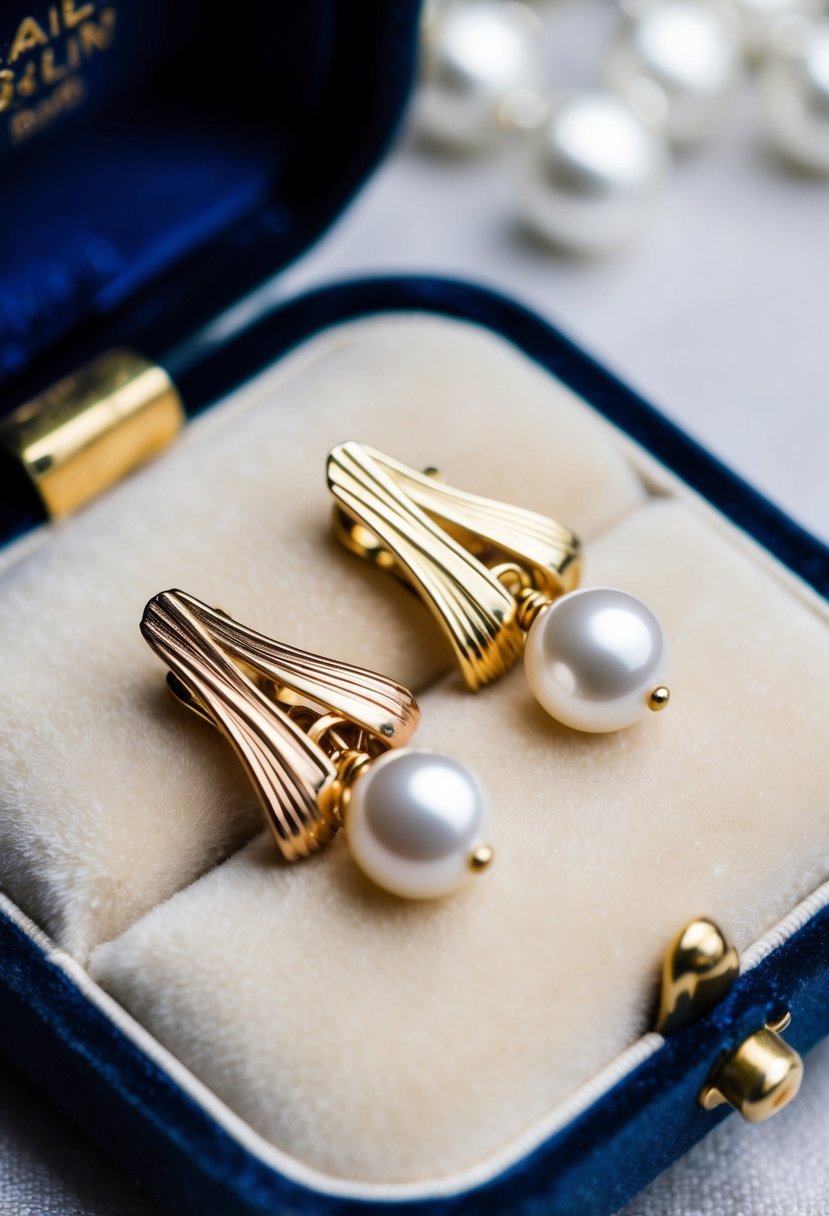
(377, 1040)
(110, 800)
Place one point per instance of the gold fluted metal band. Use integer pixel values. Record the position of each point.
(476, 612)
(235, 677)
(444, 541)
(494, 531)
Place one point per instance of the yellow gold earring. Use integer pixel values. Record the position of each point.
(322, 743)
(501, 580)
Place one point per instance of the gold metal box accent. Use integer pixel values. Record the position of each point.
(761, 1075)
(699, 967)
(89, 430)
(758, 1078)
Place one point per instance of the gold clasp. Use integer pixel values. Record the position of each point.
(699, 967)
(760, 1076)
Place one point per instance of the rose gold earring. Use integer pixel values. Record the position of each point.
(323, 745)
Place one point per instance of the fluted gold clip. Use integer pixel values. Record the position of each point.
(300, 724)
(478, 562)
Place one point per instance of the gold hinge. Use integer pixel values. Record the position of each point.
(762, 1074)
(89, 430)
(759, 1077)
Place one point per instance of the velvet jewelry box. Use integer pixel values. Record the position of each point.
(245, 1036)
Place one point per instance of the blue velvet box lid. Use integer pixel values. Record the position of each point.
(162, 160)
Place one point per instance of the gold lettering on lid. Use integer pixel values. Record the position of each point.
(6, 88)
(97, 36)
(47, 79)
(50, 73)
(74, 16)
(27, 84)
(30, 34)
(24, 123)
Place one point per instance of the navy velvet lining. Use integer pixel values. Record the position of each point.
(279, 113)
(601, 1159)
(82, 254)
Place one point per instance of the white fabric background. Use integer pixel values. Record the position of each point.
(719, 317)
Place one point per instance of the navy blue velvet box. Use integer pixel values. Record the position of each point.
(218, 157)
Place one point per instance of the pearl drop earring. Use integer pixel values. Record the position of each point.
(500, 580)
(322, 744)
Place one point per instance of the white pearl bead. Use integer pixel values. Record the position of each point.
(760, 19)
(593, 657)
(474, 54)
(414, 821)
(596, 174)
(691, 50)
(795, 89)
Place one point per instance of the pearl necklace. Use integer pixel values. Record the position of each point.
(597, 161)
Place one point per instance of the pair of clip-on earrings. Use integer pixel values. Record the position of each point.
(323, 742)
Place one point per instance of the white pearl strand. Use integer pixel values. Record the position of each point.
(761, 19)
(597, 160)
(596, 174)
(415, 824)
(473, 57)
(688, 52)
(795, 88)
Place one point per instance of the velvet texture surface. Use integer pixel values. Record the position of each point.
(445, 1048)
(262, 548)
(161, 1130)
(228, 141)
(564, 1172)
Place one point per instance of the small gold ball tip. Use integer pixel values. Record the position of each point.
(659, 698)
(481, 858)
